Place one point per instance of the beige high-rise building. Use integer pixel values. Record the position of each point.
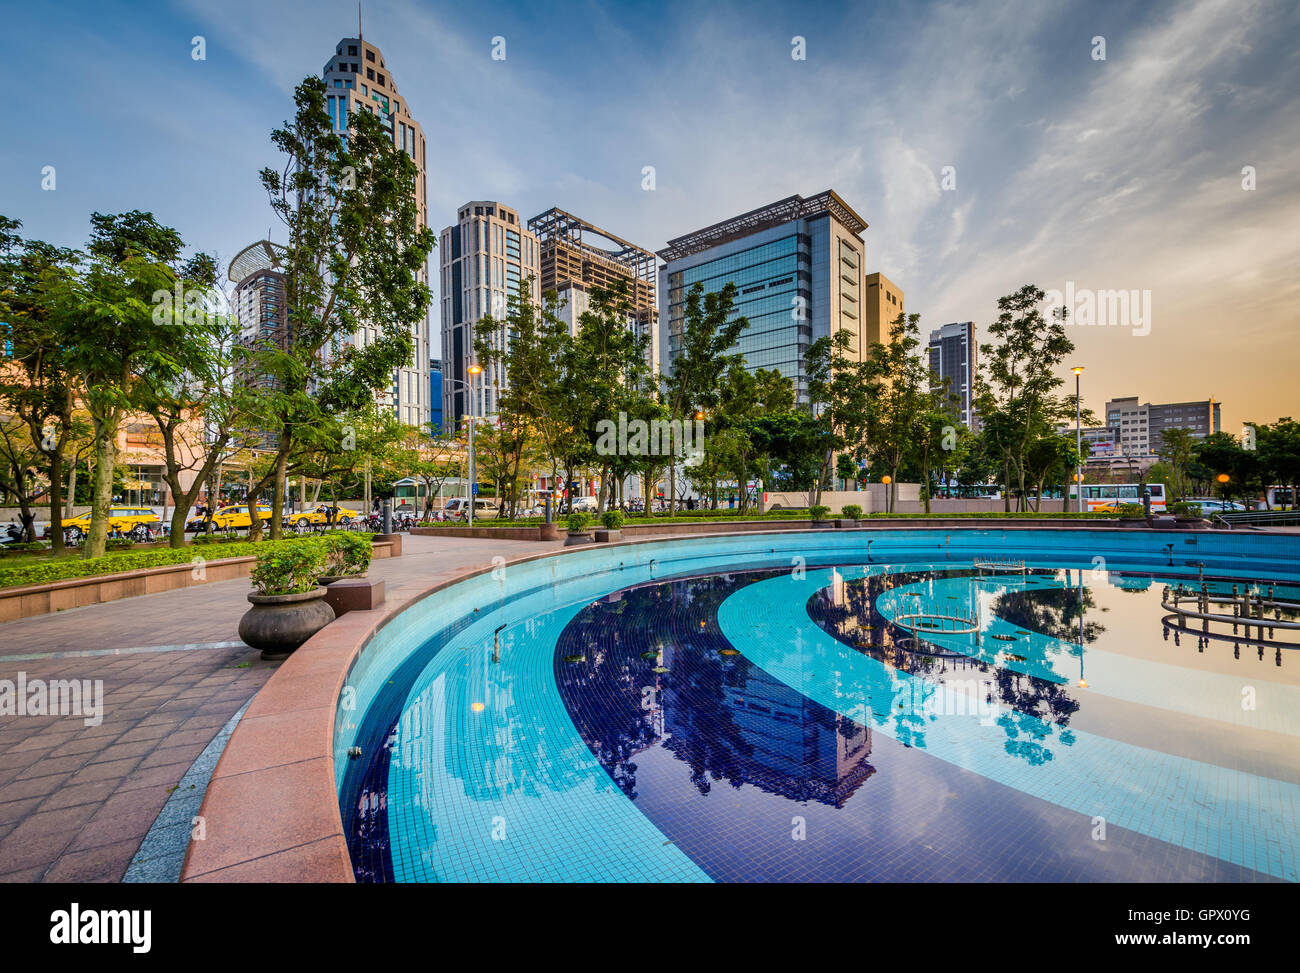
(358, 79)
(881, 307)
(485, 258)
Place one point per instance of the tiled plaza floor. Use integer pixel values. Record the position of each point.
(75, 800)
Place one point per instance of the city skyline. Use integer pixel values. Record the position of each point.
(1055, 155)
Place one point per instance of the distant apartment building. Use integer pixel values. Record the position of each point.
(798, 269)
(259, 303)
(1139, 428)
(954, 356)
(356, 80)
(485, 256)
(577, 257)
(881, 307)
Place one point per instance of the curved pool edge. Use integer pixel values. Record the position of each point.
(271, 812)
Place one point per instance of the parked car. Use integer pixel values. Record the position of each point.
(321, 515)
(233, 517)
(122, 519)
(1210, 505)
(457, 508)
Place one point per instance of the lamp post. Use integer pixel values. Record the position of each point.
(1078, 439)
(473, 482)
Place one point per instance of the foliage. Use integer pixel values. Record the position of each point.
(613, 519)
(819, 511)
(349, 554)
(289, 568)
(851, 511)
(577, 521)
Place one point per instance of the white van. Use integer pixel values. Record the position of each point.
(458, 507)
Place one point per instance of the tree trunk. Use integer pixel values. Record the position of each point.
(102, 496)
(56, 500)
(71, 499)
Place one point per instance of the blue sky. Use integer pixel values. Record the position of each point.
(1122, 173)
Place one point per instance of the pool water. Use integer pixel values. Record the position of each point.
(765, 709)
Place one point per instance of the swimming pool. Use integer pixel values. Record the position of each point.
(906, 704)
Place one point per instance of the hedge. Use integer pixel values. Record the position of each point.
(64, 569)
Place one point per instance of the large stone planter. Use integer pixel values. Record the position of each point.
(550, 532)
(576, 538)
(278, 624)
(845, 522)
(606, 536)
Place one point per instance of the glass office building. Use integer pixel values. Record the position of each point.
(797, 267)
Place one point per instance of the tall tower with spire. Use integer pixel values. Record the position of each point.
(357, 79)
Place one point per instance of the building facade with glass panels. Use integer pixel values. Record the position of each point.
(798, 270)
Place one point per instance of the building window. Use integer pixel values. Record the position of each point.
(381, 79)
(370, 55)
(370, 74)
(352, 50)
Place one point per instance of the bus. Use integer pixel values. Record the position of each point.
(1098, 495)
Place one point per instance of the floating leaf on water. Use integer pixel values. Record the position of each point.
(660, 669)
(1013, 658)
(1004, 638)
(575, 658)
(728, 652)
(650, 655)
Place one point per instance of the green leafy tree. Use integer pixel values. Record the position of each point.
(353, 261)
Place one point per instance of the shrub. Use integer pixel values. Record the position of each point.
(1182, 508)
(62, 569)
(578, 520)
(1131, 511)
(349, 554)
(852, 511)
(819, 511)
(613, 519)
(118, 543)
(287, 569)
(217, 537)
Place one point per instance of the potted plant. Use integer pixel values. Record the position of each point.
(288, 603)
(576, 524)
(819, 512)
(348, 556)
(613, 521)
(1131, 515)
(850, 514)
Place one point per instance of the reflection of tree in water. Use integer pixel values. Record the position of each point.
(1036, 703)
(1052, 611)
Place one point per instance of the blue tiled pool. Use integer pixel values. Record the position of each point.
(763, 708)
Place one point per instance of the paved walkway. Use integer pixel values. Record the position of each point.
(76, 800)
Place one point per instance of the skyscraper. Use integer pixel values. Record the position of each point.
(881, 308)
(357, 79)
(798, 269)
(484, 258)
(954, 358)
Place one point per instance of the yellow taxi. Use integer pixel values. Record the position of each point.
(123, 519)
(231, 518)
(320, 515)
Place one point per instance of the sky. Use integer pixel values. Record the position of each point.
(986, 144)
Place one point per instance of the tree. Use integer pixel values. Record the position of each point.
(843, 393)
(38, 390)
(901, 418)
(353, 262)
(1016, 401)
(1175, 449)
(107, 307)
(708, 330)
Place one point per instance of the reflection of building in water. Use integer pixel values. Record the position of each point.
(792, 746)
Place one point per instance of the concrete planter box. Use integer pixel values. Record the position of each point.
(53, 596)
(845, 522)
(576, 538)
(604, 536)
(353, 594)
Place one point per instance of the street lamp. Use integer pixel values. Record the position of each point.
(1078, 437)
(473, 483)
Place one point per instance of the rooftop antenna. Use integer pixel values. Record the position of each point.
(359, 37)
